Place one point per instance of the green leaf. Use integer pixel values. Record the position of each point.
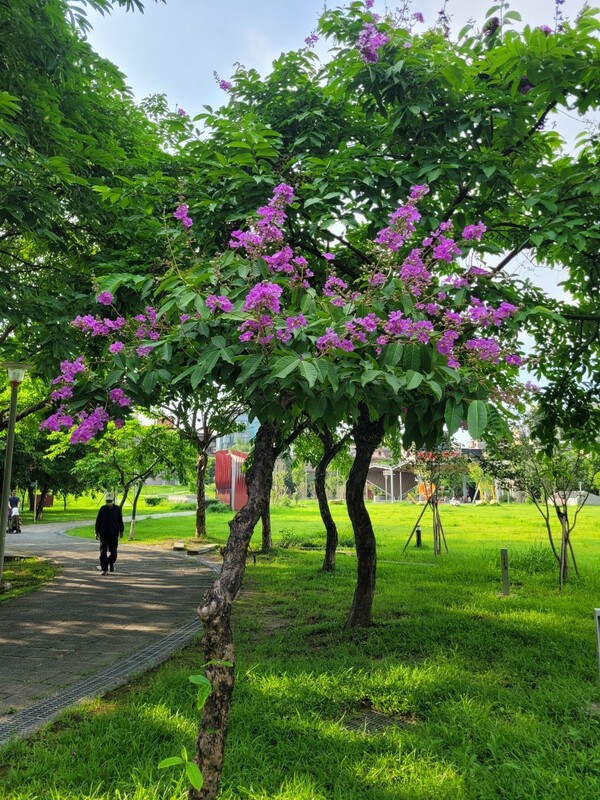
(411, 359)
(194, 775)
(391, 355)
(172, 761)
(308, 372)
(284, 365)
(251, 364)
(369, 375)
(393, 381)
(477, 417)
(435, 388)
(453, 415)
(413, 379)
(199, 680)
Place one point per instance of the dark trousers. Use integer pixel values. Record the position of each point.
(108, 551)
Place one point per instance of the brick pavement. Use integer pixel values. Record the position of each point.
(83, 622)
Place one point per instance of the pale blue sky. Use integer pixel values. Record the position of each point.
(175, 48)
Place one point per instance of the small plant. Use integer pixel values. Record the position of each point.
(535, 560)
(154, 501)
(216, 507)
(191, 769)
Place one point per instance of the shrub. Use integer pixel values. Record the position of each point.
(154, 501)
(216, 507)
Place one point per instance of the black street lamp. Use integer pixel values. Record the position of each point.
(16, 374)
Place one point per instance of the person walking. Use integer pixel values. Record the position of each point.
(109, 529)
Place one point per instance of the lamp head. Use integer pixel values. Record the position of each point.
(16, 370)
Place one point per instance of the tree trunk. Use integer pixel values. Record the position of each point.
(330, 450)
(31, 497)
(40, 504)
(136, 497)
(563, 574)
(201, 464)
(366, 434)
(267, 538)
(215, 614)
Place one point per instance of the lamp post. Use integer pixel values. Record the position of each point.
(16, 373)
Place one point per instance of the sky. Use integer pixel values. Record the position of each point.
(174, 48)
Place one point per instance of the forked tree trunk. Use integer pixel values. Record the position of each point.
(215, 614)
(201, 464)
(267, 537)
(366, 434)
(330, 451)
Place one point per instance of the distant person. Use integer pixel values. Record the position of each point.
(109, 529)
(14, 514)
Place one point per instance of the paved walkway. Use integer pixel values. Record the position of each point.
(85, 633)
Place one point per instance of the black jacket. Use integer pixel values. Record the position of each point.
(109, 521)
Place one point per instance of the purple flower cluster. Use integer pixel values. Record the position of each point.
(474, 231)
(291, 324)
(96, 326)
(182, 112)
(401, 227)
(148, 324)
(546, 29)
(263, 297)
(89, 425)
(66, 379)
(484, 349)
(335, 288)
(268, 227)
(413, 273)
(57, 421)
(375, 280)
(258, 329)
(418, 17)
(214, 302)
(295, 267)
(119, 397)
(331, 340)
(369, 41)
(484, 315)
(104, 298)
(182, 213)
(226, 86)
(311, 40)
(445, 346)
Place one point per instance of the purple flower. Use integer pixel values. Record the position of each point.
(144, 350)
(116, 347)
(119, 423)
(369, 3)
(104, 298)
(474, 231)
(187, 222)
(484, 349)
(514, 360)
(328, 256)
(181, 211)
(369, 41)
(89, 425)
(378, 279)
(311, 40)
(183, 318)
(544, 29)
(119, 397)
(182, 112)
(63, 393)
(264, 296)
(418, 17)
(57, 421)
(225, 85)
(213, 302)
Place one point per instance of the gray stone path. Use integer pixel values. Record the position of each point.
(85, 624)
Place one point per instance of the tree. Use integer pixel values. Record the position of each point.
(455, 116)
(553, 481)
(319, 448)
(127, 456)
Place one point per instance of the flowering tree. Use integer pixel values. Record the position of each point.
(410, 338)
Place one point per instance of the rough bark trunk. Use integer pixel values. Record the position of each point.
(267, 537)
(366, 434)
(330, 450)
(215, 614)
(201, 464)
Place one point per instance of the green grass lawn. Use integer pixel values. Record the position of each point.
(455, 692)
(87, 506)
(25, 575)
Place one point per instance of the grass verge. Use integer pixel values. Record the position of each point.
(455, 692)
(26, 575)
